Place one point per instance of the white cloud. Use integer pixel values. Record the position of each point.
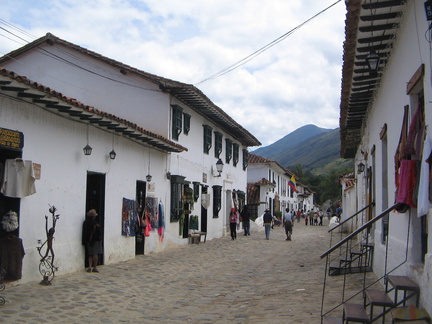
(294, 83)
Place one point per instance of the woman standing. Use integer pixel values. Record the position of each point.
(233, 223)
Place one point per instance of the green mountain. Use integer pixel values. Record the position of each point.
(315, 149)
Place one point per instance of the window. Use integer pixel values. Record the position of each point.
(245, 159)
(218, 144)
(186, 123)
(196, 189)
(177, 120)
(228, 150)
(235, 154)
(217, 200)
(207, 138)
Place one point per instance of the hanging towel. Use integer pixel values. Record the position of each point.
(407, 182)
(423, 195)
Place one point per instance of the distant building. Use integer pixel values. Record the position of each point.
(269, 187)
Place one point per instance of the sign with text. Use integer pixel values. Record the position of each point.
(11, 139)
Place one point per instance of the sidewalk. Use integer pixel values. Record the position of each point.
(249, 280)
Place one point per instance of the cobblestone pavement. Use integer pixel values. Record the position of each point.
(249, 280)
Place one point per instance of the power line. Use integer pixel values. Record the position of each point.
(263, 49)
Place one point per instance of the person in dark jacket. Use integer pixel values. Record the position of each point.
(245, 218)
(91, 239)
(267, 219)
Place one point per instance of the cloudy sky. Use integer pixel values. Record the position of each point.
(294, 81)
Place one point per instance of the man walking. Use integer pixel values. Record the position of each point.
(288, 222)
(267, 223)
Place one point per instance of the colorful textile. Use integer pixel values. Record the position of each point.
(399, 154)
(130, 219)
(407, 182)
(151, 210)
(161, 223)
(415, 132)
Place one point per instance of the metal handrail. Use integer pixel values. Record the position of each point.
(360, 229)
(351, 217)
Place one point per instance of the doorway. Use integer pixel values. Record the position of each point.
(95, 198)
(140, 205)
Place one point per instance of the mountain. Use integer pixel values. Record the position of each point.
(316, 149)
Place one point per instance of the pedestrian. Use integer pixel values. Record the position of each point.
(92, 240)
(233, 223)
(299, 212)
(267, 218)
(288, 223)
(245, 218)
(321, 215)
(306, 217)
(316, 216)
(311, 217)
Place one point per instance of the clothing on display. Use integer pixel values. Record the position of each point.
(19, 178)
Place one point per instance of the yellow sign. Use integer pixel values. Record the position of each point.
(11, 139)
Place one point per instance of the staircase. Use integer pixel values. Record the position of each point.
(355, 261)
(389, 299)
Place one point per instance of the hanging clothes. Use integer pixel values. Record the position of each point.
(161, 222)
(414, 139)
(19, 178)
(407, 183)
(151, 209)
(399, 154)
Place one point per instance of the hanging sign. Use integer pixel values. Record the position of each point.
(11, 139)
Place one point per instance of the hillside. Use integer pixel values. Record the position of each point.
(316, 149)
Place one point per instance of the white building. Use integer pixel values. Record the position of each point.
(71, 97)
(378, 109)
(268, 187)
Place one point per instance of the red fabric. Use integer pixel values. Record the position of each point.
(407, 182)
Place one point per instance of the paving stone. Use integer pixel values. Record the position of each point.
(249, 280)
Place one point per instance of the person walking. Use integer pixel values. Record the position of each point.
(92, 240)
(288, 223)
(233, 223)
(245, 218)
(267, 218)
(311, 217)
(321, 216)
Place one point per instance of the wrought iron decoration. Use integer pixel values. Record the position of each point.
(46, 266)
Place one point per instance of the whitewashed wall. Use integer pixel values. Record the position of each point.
(126, 96)
(410, 52)
(56, 143)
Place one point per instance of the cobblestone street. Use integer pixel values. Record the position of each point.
(249, 280)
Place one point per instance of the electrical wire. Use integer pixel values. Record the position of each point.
(263, 49)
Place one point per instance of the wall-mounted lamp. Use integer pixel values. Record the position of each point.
(219, 167)
(87, 150)
(373, 61)
(148, 177)
(360, 168)
(112, 154)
